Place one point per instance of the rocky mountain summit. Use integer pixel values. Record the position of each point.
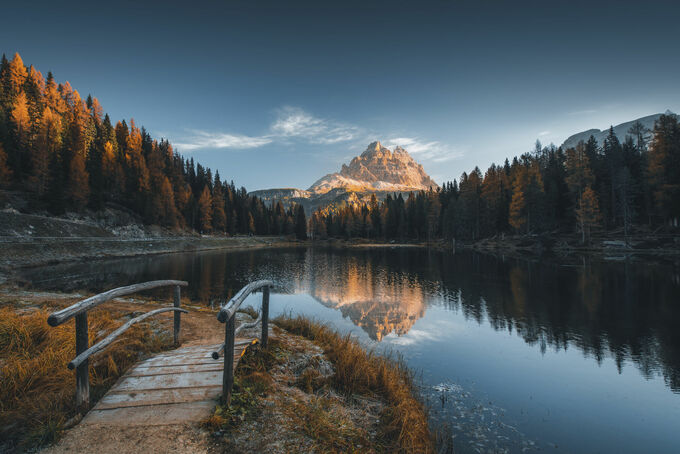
(377, 171)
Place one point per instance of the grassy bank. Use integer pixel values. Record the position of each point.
(36, 387)
(366, 404)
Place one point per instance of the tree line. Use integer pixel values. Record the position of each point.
(68, 155)
(615, 185)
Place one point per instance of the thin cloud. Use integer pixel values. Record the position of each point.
(428, 150)
(218, 140)
(543, 133)
(293, 124)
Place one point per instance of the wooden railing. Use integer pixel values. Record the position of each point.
(226, 315)
(79, 311)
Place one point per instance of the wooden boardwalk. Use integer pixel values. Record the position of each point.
(177, 386)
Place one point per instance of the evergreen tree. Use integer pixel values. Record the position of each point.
(5, 171)
(205, 210)
(588, 213)
(300, 223)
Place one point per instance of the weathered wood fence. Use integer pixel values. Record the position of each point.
(226, 315)
(79, 311)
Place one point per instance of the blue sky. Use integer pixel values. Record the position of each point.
(277, 94)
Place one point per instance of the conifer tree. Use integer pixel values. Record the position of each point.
(588, 213)
(78, 181)
(5, 171)
(205, 210)
(300, 223)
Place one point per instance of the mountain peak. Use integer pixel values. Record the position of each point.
(377, 169)
(373, 148)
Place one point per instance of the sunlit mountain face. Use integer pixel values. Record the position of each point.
(380, 304)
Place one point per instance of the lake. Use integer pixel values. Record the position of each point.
(513, 355)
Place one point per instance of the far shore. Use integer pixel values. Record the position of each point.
(21, 251)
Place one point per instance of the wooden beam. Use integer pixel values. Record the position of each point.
(229, 309)
(264, 314)
(59, 317)
(216, 354)
(177, 321)
(228, 374)
(83, 371)
(81, 359)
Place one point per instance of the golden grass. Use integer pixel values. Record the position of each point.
(360, 372)
(37, 389)
(326, 422)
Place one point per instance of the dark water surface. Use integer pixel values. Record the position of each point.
(515, 355)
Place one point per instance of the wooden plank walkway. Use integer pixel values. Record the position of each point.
(177, 386)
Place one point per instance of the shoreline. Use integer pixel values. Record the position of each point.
(19, 252)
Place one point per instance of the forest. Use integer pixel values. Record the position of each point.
(615, 186)
(66, 154)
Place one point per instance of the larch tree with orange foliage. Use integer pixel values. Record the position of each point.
(46, 146)
(205, 210)
(588, 213)
(219, 217)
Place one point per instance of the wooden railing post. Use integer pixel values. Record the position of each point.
(265, 316)
(177, 319)
(228, 375)
(82, 371)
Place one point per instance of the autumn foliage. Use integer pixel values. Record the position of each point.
(612, 185)
(70, 156)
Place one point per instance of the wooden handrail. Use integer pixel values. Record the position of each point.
(226, 316)
(230, 308)
(79, 311)
(101, 345)
(216, 354)
(59, 317)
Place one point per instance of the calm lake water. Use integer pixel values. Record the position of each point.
(513, 355)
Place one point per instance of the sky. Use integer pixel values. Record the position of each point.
(280, 93)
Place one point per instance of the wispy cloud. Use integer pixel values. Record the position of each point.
(204, 139)
(543, 133)
(293, 124)
(430, 150)
(414, 336)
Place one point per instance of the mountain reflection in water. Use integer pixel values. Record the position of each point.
(627, 310)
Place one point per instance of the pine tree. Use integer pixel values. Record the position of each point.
(664, 168)
(5, 171)
(518, 204)
(78, 182)
(588, 213)
(300, 223)
(219, 221)
(205, 209)
(16, 76)
(21, 120)
(47, 144)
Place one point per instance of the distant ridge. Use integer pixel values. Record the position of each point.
(620, 130)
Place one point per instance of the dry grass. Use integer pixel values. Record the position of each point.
(326, 421)
(366, 373)
(37, 389)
